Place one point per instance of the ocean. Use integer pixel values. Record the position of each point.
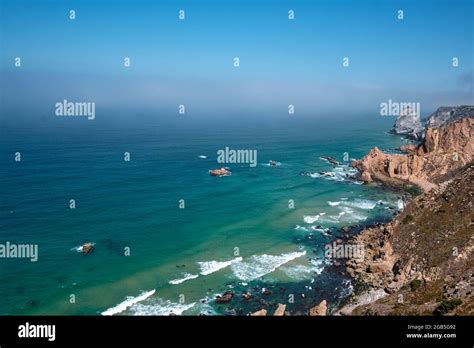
(153, 257)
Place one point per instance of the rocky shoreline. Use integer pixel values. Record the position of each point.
(421, 262)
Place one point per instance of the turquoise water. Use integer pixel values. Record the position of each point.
(135, 205)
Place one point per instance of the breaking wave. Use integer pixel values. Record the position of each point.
(186, 276)
(130, 301)
(209, 267)
(259, 265)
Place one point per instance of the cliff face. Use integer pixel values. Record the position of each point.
(446, 114)
(412, 127)
(421, 263)
(443, 149)
(409, 125)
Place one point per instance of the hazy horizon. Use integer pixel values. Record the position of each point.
(190, 61)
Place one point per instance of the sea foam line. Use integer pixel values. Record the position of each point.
(186, 276)
(128, 302)
(259, 265)
(209, 267)
(160, 307)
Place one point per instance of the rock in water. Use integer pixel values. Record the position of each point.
(280, 311)
(409, 125)
(260, 313)
(319, 310)
(247, 296)
(87, 248)
(225, 298)
(330, 160)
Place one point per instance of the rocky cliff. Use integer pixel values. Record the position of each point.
(412, 127)
(443, 149)
(448, 114)
(409, 125)
(420, 263)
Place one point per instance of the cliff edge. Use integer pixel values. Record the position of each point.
(443, 149)
(421, 263)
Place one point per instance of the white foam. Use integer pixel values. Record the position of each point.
(339, 173)
(330, 219)
(186, 276)
(214, 266)
(204, 307)
(259, 265)
(304, 272)
(333, 204)
(323, 231)
(202, 156)
(160, 307)
(361, 204)
(349, 215)
(400, 204)
(80, 247)
(311, 218)
(130, 301)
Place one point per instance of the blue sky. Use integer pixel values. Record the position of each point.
(282, 62)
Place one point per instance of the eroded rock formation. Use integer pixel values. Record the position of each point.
(443, 149)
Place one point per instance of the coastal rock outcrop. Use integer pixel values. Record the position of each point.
(447, 114)
(260, 313)
(280, 311)
(409, 125)
(225, 297)
(421, 263)
(408, 148)
(443, 149)
(319, 310)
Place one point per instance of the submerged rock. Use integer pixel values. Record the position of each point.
(330, 160)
